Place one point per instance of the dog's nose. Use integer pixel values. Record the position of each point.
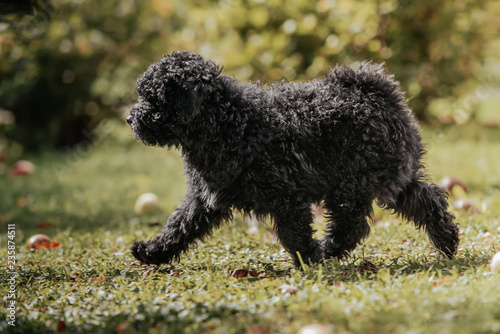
(129, 119)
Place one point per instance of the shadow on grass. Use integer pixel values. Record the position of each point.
(359, 269)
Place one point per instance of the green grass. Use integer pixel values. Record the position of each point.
(394, 283)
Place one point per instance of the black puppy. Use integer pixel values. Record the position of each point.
(346, 140)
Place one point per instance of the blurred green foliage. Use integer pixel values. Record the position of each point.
(76, 62)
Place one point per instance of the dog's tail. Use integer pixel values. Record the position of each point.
(426, 205)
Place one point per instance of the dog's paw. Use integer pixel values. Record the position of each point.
(315, 256)
(331, 249)
(148, 252)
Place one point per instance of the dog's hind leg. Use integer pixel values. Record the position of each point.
(348, 226)
(191, 221)
(293, 226)
(426, 205)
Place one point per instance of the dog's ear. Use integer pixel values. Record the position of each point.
(194, 78)
(188, 102)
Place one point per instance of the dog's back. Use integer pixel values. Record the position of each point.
(351, 122)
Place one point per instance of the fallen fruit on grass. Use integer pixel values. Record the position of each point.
(449, 183)
(41, 240)
(287, 289)
(146, 203)
(37, 239)
(23, 167)
(495, 263)
(315, 329)
(122, 327)
(465, 204)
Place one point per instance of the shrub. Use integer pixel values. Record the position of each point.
(75, 62)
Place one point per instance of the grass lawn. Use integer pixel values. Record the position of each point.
(395, 283)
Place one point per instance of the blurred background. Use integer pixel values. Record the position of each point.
(67, 65)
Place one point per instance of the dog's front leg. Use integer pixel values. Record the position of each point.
(191, 221)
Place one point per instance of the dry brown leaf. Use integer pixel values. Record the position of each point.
(239, 273)
(61, 326)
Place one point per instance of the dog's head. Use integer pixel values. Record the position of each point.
(171, 93)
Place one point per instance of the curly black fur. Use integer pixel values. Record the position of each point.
(346, 140)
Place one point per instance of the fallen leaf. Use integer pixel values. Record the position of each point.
(439, 282)
(253, 273)
(98, 279)
(44, 224)
(239, 273)
(61, 326)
